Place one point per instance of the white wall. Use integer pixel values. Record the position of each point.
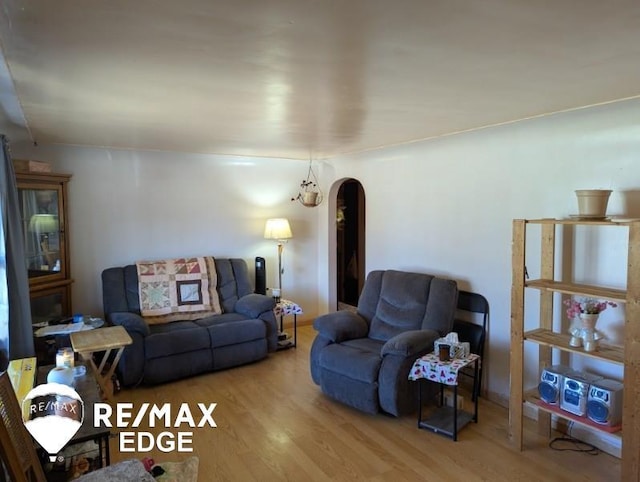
(446, 206)
(127, 206)
(442, 206)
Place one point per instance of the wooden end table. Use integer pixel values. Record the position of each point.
(86, 343)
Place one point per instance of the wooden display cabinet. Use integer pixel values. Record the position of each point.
(548, 340)
(43, 212)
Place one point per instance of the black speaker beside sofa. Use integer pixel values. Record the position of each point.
(245, 332)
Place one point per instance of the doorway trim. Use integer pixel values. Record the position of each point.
(332, 241)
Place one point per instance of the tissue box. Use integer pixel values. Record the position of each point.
(457, 349)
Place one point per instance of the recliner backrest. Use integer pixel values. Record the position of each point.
(397, 301)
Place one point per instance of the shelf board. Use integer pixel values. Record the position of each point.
(611, 353)
(611, 294)
(585, 222)
(532, 397)
(441, 421)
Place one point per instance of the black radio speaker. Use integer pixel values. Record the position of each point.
(261, 276)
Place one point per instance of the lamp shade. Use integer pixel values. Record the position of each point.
(43, 223)
(277, 228)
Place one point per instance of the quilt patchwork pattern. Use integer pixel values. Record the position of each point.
(178, 289)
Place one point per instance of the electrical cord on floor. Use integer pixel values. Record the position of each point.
(569, 443)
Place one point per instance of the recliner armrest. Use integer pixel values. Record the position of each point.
(253, 305)
(132, 322)
(410, 343)
(341, 326)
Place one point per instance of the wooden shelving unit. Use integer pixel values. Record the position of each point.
(577, 289)
(610, 353)
(548, 340)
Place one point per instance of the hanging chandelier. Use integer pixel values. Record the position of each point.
(310, 194)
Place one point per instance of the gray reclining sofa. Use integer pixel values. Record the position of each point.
(245, 332)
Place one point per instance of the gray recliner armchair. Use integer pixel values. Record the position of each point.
(363, 359)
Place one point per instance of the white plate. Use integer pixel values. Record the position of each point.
(624, 220)
(94, 322)
(587, 217)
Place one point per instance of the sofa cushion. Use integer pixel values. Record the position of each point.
(234, 355)
(230, 329)
(174, 367)
(208, 321)
(356, 361)
(365, 344)
(172, 327)
(175, 338)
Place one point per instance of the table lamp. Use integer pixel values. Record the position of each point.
(42, 225)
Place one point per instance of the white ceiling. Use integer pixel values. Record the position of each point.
(294, 78)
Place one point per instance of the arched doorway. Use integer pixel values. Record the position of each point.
(350, 243)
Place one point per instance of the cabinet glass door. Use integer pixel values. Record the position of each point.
(49, 305)
(41, 224)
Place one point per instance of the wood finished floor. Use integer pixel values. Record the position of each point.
(273, 423)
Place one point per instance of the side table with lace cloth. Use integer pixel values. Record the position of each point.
(283, 308)
(445, 420)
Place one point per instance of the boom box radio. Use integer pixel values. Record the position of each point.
(604, 404)
(575, 390)
(550, 384)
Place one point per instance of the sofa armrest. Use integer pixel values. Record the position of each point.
(410, 343)
(132, 322)
(341, 326)
(260, 307)
(253, 305)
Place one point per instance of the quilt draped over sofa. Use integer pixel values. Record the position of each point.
(178, 289)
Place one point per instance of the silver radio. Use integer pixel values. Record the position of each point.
(575, 390)
(551, 380)
(604, 404)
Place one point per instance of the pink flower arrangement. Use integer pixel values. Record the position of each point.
(589, 306)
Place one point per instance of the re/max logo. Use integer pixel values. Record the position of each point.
(161, 415)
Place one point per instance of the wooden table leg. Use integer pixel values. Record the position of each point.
(88, 358)
(101, 377)
(114, 364)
